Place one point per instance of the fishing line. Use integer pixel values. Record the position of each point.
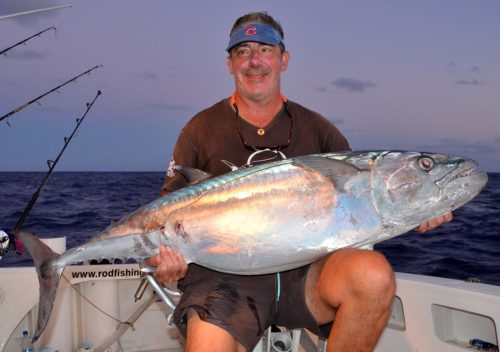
(52, 164)
(43, 50)
(94, 305)
(30, 78)
(6, 116)
(115, 336)
(13, 244)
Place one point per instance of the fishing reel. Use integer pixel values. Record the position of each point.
(4, 243)
(7, 243)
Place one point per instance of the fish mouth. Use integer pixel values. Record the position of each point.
(466, 168)
(465, 182)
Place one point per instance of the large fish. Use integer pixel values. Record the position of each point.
(277, 216)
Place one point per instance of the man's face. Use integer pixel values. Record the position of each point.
(257, 68)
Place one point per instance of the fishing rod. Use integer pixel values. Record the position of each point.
(33, 11)
(25, 40)
(52, 164)
(6, 116)
(8, 241)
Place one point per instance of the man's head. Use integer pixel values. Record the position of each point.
(257, 56)
(256, 27)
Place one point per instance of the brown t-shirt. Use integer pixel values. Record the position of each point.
(243, 305)
(211, 142)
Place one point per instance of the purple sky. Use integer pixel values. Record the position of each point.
(421, 75)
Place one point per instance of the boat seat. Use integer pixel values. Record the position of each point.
(271, 341)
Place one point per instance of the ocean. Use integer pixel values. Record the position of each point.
(80, 204)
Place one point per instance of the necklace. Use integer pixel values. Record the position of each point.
(262, 131)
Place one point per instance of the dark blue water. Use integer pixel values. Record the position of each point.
(79, 205)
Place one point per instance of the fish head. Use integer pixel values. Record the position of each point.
(411, 187)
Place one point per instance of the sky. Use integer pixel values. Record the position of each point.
(407, 75)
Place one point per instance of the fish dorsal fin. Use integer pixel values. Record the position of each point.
(193, 175)
(327, 166)
(338, 171)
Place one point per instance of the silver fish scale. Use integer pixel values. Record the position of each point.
(278, 216)
(267, 213)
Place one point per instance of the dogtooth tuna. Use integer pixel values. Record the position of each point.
(276, 216)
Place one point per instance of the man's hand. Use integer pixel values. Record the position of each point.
(433, 223)
(170, 265)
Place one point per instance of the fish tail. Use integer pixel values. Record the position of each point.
(49, 275)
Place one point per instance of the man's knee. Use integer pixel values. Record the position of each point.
(353, 273)
(378, 275)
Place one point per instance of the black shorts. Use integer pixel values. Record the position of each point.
(246, 305)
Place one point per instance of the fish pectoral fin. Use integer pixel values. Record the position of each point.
(337, 171)
(193, 175)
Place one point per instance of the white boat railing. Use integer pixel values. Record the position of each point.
(108, 307)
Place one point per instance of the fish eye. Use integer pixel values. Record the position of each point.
(426, 163)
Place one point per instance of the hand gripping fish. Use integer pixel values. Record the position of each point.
(277, 216)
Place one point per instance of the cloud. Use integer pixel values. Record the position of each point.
(352, 85)
(475, 69)
(147, 76)
(25, 54)
(469, 82)
(453, 67)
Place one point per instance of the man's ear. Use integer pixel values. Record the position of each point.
(229, 64)
(285, 57)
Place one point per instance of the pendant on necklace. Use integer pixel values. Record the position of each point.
(261, 131)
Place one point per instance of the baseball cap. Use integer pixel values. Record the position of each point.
(255, 32)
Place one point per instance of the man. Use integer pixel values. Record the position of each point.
(222, 312)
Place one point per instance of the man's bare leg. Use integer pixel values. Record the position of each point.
(356, 287)
(207, 337)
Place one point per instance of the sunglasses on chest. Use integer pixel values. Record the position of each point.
(263, 153)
